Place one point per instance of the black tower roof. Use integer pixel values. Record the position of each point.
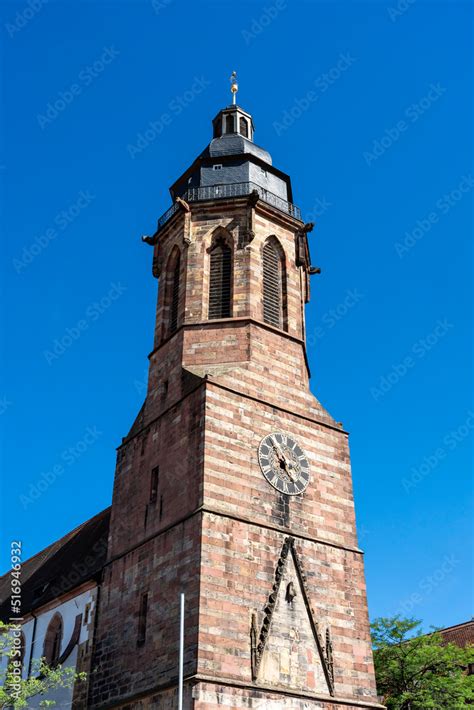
(231, 158)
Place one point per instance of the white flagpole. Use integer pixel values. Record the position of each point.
(181, 651)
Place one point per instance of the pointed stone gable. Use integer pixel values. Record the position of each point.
(289, 651)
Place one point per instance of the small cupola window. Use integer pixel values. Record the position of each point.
(229, 124)
(218, 128)
(244, 127)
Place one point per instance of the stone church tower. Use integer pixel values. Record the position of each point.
(234, 483)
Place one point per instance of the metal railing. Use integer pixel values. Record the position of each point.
(167, 215)
(238, 189)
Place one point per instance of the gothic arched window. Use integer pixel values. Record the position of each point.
(52, 640)
(274, 284)
(174, 306)
(244, 127)
(172, 293)
(229, 124)
(220, 280)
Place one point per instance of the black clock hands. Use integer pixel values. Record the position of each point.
(284, 463)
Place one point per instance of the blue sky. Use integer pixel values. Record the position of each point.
(364, 105)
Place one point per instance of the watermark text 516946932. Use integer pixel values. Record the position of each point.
(15, 616)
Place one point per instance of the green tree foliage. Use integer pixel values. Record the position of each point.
(420, 672)
(15, 691)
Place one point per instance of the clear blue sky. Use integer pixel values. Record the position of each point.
(364, 105)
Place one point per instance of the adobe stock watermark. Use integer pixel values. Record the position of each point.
(259, 24)
(410, 116)
(321, 84)
(67, 458)
(428, 584)
(320, 207)
(141, 385)
(93, 312)
(23, 17)
(80, 568)
(175, 107)
(159, 5)
(61, 221)
(429, 463)
(398, 10)
(441, 208)
(362, 532)
(416, 353)
(5, 404)
(84, 79)
(331, 317)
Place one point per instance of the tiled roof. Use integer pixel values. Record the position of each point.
(461, 634)
(74, 559)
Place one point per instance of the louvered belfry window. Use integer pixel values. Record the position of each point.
(273, 286)
(174, 304)
(220, 286)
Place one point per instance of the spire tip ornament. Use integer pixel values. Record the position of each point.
(234, 87)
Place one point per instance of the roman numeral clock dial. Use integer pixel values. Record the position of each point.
(284, 463)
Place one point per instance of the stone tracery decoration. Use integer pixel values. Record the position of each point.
(303, 256)
(290, 593)
(329, 654)
(185, 208)
(258, 639)
(302, 248)
(248, 232)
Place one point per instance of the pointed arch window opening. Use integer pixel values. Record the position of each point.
(172, 292)
(174, 308)
(230, 123)
(53, 639)
(220, 279)
(244, 127)
(274, 285)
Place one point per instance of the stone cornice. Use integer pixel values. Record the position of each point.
(227, 203)
(209, 324)
(278, 690)
(195, 678)
(214, 510)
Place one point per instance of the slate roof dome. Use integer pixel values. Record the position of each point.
(232, 158)
(233, 144)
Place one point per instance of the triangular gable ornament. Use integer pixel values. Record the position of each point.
(288, 648)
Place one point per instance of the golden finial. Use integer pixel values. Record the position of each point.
(234, 87)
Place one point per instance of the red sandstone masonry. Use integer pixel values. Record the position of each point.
(217, 527)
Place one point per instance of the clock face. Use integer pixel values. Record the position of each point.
(283, 463)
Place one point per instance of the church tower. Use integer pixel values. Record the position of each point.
(234, 483)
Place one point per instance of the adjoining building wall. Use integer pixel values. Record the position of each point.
(77, 613)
